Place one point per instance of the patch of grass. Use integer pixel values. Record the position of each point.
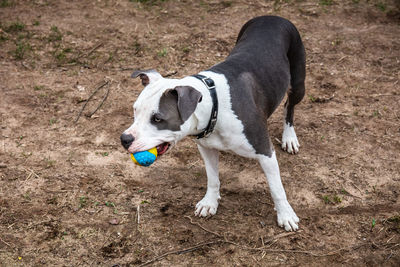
(63, 234)
(36, 23)
(373, 223)
(381, 6)
(104, 154)
(376, 113)
(396, 221)
(312, 98)
(38, 87)
(22, 48)
(6, 3)
(326, 2)
(18, 141)
(83, 202)
(277, 4)
(49, 162)
(27, 196)
(137, 47)
(337, 42)
(186, 50)
(15, 27)
(110, 204)
(55, 34)
(326, 199)
(60, 56)
(145, 202)
(3, 37)
(52, 121)
(344, 192)
(162, 53)
(226, 4)
(337, 199)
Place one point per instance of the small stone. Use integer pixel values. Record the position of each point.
(114, 221)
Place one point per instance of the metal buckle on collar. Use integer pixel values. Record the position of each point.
(208, 82)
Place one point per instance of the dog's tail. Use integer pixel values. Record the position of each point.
(297, 59)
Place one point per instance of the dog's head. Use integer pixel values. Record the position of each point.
(162, 113)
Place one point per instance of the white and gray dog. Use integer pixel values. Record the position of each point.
(227, 108)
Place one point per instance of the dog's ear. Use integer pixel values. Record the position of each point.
(147, 76)
(188, 98)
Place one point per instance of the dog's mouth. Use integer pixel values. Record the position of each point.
(162, 148)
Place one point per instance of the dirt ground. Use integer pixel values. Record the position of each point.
(71, 196)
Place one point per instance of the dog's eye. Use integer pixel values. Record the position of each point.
(156, 118)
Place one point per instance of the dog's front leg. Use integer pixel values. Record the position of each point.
(209, 204)
(287, 218)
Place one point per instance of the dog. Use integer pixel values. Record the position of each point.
(227, 106)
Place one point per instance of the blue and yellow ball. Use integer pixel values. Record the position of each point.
(145, 158)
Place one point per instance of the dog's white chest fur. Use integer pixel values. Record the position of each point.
(228, 133)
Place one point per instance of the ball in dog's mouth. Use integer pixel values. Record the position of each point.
(162, 148)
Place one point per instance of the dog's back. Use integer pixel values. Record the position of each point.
(268, 57)
(276, 44)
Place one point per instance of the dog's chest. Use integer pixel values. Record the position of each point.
(228, 134)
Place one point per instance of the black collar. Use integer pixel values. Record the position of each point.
(209, 83)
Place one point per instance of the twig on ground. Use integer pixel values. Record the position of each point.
(5, 242)
(181, 251)
(127, 68)
(379, 95)
(90, 97)
(331, 253)
(138, 214)
(101, 103)
(357, 187)
(75, 60)
(31, 172)
(202, 227)
(276, 237)
(93, 49)
(191, 165)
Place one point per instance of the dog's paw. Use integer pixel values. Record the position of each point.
(287, 218)
(207, 206)
(289, 140)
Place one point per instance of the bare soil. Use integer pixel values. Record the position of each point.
(71, 196)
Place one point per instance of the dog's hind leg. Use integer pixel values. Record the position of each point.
(287, 218)
(209, 204)
(296, 56)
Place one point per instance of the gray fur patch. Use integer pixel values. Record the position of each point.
(175, 107)
(168, 112)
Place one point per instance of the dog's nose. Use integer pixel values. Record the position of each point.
(126, 140)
